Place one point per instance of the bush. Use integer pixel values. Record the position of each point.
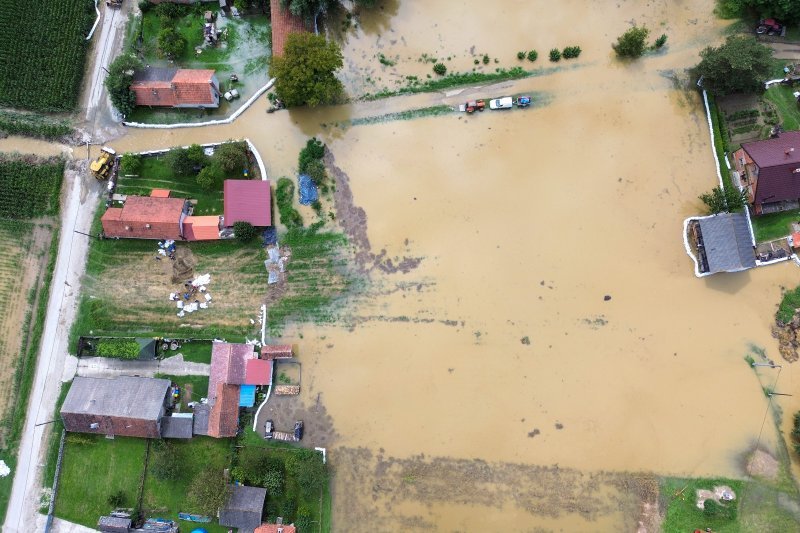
(661, 41)
(118, 348)
(210, 177)
(485, 59)
(571, 52)
(244, 231)
(303, 521)
(232, 157)
(130, 164)
(719, 201)
(316, 171)
(555, 55)
(440, 69)
(117, 499)
(284, 197)
(208, 492)
(533, 55)
(171, 43)
(197, 156)
(314, 150)
(273, 480)
(632, 43)
(179, 162)
(520, 55)
(309, 471)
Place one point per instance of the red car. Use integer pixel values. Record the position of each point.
(769, 27)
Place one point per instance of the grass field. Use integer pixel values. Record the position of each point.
(198, 385)
(43, 45)
(167, 498)
(774, 225)
(786, 104)
(196, 351)
(94, 468)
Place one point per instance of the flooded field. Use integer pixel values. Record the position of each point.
(549, 333)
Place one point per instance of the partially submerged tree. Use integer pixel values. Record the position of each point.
(786, 11)
(119, 80)
(719, 201)
(305, 72)
(208, 492)
(632, 43)
(741, 65)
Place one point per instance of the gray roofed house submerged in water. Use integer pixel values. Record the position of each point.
(125, 406)
(724, 243)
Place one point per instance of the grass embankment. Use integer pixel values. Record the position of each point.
(433, 111)
(49, 471)
(33, 125)
(783, 99)
(789, 302)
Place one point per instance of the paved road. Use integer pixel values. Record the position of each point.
(103, 367)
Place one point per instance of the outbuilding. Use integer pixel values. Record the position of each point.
(247, 201)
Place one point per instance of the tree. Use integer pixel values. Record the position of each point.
(178, 161)
(740, 65)
(316, 171)
(130, 164)
(196, 155)
(309, 471)
(208, 492)
(119, 80)
(303, 520)
(787, 11)
(719, 201)
(307, 9)
(632, 43)
(170, 42)
(232, 157)
(305, 72)
(165, 461)
(244, 231)
(313, 150)
(210, 176)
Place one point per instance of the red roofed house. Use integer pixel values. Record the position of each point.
(146, 217)
(201, 228)
(283, 23)
(170, 87)
(229, 363)
(276, 351)
(770, 170)
(223, 420)
(248, 201)
(258, 372)
(279, 527)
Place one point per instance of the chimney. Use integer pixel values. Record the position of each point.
(788, 151)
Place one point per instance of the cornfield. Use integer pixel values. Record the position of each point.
(42, 52)
(29, 188)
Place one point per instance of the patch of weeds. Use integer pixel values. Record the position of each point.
(386, 61)
(555, 55)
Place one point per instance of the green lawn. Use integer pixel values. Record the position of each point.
(196, 351)
(199, 387)
(155, 174)
(774, 225)
(165, 499)
(786, 104)
(94, 468)
(682, 512)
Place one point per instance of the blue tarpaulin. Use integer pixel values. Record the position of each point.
(270, 236)
(307, 190)
(247, 396)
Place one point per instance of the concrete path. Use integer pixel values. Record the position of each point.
(104, 367)
(61, 526)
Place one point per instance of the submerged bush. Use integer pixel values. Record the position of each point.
(440, 69)
(571, 52)
(533, 55)
(520, 55)
(555, 55)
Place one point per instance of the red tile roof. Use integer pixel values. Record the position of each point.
(283, 23)
(273, 528)
(159, 193)
(276, 351)
(778, 162)
(185, 87)
(247, 200)
(223, 420)
(144, 217)
(228, 363)
(258, 372)
(154, 93)
(201, 228)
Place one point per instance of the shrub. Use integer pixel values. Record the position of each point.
(118, 348)
(284, 197)
(317, 207)
(712, 509)
(440, 69)
(475, 62)
(308, 470)
(244, 231)
(533, 55)
(520, 55)
(179, 162)
(231, 157)
(196, 155)
(273, 481)
(555, 55)
(316, 171)
(208, 492)
(313, 150)
(661, 41)
(130, 164)
(171, 43)
(485, 59)
(303, 521)
(117, 499)
(210, 176)
(571, 52)
(631, 43)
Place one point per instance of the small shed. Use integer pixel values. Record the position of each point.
(244, 507)
(177, 426)
(201, 228)
(725, 244)
(114, 524)
(276, 351)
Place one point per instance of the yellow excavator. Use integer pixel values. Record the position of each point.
(103, 166)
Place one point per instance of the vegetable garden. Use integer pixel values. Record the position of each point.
(42, 52)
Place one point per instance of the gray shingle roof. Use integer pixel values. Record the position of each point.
(154, 74)
(244, 507)
(123, 396)
(174, 427)
(727, 243)
(201, 412)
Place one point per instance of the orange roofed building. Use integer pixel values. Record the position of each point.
(283, 23)
(146, 217)
(170, 87)
(276, 528)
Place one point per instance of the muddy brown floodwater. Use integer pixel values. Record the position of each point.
(494, 384)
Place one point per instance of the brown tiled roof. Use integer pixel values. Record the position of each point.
(184, 87)
(194, 76)
(273, 528)
(162, 215)
(223, 421)
(248, 201)
(283, 23)
(159, 193)
(154, 93)
(228, 363)
(276, 351)
(778, 162)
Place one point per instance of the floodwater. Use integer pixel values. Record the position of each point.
(502, 344)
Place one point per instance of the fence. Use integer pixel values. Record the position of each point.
(51, 509)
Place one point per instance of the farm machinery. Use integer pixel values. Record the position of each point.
(103, 167)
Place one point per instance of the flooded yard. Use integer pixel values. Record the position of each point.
(548, 333)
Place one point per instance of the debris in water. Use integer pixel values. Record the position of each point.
(525, 340)
(533, 433)
(559, 425)
(607, 297)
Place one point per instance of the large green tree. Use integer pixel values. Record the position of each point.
(741, 65)
(786, 11)
(305, 73)
(632, 43)
(119, 80)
